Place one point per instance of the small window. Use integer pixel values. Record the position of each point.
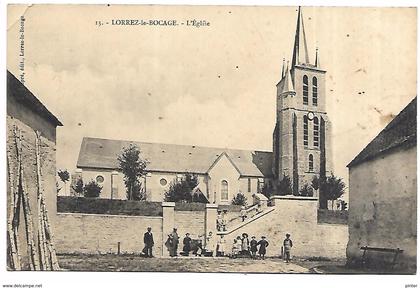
(305, 90)
(316, 132)
(305, 130)
(224, 191)
(249, 185)
(314, 91)
(260, 185)
(311, 162)
(163, 182)
(100, 179)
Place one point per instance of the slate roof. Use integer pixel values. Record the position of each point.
(402, 130)
(21, 94)
(102, 153)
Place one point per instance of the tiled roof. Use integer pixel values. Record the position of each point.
(102, 153)
(21, 94)
(400, 131)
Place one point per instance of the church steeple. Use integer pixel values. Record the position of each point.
(300, 48)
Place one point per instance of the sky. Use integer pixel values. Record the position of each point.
(215, 85)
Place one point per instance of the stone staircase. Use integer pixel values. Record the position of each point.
(253, 215)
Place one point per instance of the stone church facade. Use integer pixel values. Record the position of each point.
(301, 145)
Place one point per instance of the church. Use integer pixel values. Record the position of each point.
(301, 145)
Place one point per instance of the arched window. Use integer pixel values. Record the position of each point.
(316, 132)
(305, 90)
(311, 162)
(224, 191)
(305, 130)
(314, 91)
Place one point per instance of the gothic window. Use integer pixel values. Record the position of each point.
(311, 162)
(224, 191)
(305, 130)
(314, 91)
(316, 132)
(305, 90)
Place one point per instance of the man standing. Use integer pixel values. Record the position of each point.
(148, 242)
(287, 244)
(175, 241)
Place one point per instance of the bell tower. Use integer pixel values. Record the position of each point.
(301, 138)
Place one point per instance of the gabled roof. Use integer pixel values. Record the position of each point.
(18, 91)
(402, 130)
(102, 153)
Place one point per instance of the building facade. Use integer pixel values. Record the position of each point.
(31, 126)
(383, 194)
(222, 173)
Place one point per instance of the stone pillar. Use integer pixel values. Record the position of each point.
(210, 219)
(168, 223)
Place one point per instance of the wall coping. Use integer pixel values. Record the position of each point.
(108, 215)
(213, 206)
(168, 204)
(291, 197)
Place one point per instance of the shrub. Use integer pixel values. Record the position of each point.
(182, 190)
(239, 199)
(285, 186)
(306, 191)
(92, 189)
(77, 188)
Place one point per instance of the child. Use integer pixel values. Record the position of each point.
(221, 246)
(243, 213)
(254, 249)
(263, 247)
(245, 245)
(235, 248)
(287, 244)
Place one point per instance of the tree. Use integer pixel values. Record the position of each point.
(306, 191)
(315, 183)
(77, 188)
(181, 190)
(92, 189)
(332, 188)
(64, 177)
(239, 199)
(285, 186)
(267, 190)
(133, 167)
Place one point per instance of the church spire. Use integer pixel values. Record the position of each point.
(317, 65)
(288, 84)
(300, 48)
(282, 70)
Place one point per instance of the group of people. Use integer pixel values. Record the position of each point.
(244, 247)
(241, 247)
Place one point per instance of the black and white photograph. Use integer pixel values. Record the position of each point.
(260, 139)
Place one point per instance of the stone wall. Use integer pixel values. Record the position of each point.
(190, 222)
(383, 206)
(297, 216)
(95, 233)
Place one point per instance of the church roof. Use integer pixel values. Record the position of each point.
(402, 130)
(102, 153)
